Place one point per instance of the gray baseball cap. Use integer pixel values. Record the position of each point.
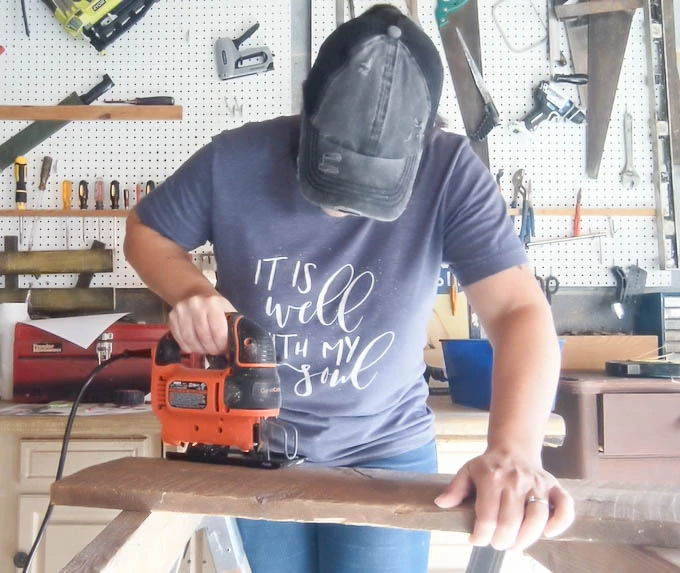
(370, 100)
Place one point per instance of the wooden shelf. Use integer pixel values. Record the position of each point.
(76, 213)
(546, 212)
(594, 212)
(90, 112)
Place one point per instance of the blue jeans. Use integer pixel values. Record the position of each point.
(285, 547)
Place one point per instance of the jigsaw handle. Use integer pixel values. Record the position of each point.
(249, 346)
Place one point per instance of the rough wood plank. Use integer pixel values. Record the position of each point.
(90, 112)
(45, 262)
(609, 513)
(136, 543)
(63, 301)
(576, 557)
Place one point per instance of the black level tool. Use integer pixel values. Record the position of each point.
(642, 368)
(39, 131)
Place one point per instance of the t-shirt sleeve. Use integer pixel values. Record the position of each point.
(180, 207)
(479, 238)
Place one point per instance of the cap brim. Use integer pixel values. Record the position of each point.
(334, 177)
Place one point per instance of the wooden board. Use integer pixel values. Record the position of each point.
(591, 352)
(609, 513)
(90, 112)
(44, 262)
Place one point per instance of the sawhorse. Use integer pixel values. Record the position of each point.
(224, 545)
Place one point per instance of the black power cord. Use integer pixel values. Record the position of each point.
(145, 353)
(25, 17)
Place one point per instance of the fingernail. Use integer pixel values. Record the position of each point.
(438, 501)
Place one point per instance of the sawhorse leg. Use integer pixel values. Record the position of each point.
(485, 560)
(136, 542)
(224, 544)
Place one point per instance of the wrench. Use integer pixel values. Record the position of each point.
(629, 177)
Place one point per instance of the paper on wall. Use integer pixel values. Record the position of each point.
(80, 330)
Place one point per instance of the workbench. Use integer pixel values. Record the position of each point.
(29, 447)
(618, 429)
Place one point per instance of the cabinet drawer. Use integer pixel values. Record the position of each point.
(39, 458)
(69, 530)
(641, 424)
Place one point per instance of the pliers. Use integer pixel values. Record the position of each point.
(522, 187)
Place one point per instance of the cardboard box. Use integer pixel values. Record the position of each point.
(590, 352)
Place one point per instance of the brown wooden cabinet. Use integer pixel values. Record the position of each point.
(618, 429)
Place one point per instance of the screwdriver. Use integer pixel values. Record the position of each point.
(66, 189)
(126, 198)
(138, 192)
(155, 100)
(114, 193)
(20, 165)
(45, 172)
(83, 192)
(577, 215)
(150, 186)
(99, 194)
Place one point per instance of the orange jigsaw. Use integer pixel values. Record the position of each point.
(222, 409)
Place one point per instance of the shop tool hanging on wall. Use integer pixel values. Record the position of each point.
(601, 33)
(100, 21)
(463, 14)
(232, 62)
(39, 131)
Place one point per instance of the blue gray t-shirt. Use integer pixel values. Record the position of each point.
(346, 299)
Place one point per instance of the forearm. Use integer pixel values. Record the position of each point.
(165, 267)
(525, 376)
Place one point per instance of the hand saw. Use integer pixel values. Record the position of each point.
(462, 14)
(39, 131)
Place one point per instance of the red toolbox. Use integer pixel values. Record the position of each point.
(48, 367)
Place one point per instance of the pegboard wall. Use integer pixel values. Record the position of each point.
(170, 52)
(553, 156)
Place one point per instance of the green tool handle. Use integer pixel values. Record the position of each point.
(446, 7)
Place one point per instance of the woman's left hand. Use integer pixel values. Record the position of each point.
(516, 501)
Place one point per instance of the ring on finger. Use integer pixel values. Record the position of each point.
(536, 499)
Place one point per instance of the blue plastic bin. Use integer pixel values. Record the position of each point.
(468, 367)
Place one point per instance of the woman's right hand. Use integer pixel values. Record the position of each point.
(199, 324)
